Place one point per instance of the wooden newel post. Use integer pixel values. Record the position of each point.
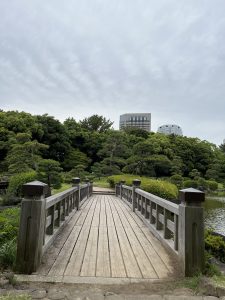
(136, 184)
(191, 245)
(121, 188)
(32, 227)
(76, 182)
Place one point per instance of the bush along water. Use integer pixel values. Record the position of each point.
(161, 188)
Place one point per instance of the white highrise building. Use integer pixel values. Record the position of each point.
(136, 120)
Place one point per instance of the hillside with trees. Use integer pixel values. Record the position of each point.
(41, 147)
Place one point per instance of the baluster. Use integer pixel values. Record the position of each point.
(146, 208)
(142, 207)
(151, 217)
(157, 222)
(166, 231)
(58, 221)
(175, 232)
(50, 229)
(63, 209)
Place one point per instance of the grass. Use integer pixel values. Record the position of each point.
(101, 182)
(190, 282)
(219, 280)
(64, 187)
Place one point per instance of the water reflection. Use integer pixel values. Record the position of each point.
(215, 214)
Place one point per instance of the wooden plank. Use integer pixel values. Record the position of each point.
(90, 256)
(129, 259)
(150, 245)
(74, 266)
(51, 255)
(116, 259)
(143, 261)
(63, 257)
(103, 261)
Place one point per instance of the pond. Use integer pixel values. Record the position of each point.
(215, 214)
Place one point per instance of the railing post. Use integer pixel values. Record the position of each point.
(136, 184)
(121, 188)
(191, 244)
(32, 227)
(76, 182)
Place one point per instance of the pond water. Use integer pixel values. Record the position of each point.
(215, 214)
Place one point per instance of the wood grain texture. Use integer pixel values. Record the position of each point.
(106, 239)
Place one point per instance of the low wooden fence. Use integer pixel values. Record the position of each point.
(42, 219)
(179, 227)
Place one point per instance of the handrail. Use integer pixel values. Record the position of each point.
(179, 227)
(42, 219)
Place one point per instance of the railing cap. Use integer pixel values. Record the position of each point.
(76, 180)
(35, 188)
(136, 182)
(191, 196)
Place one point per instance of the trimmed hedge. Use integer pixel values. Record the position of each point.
(161, 188)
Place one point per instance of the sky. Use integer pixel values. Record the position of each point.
(78, 58)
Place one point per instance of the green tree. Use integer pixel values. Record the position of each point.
(49, 171)
(24, 155)
(96, 123)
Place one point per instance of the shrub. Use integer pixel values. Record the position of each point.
(215, 245)
(159, 188)
(177, 180)
(189, 183)
(9, 224)
(8, 254)
(212, 185)
(15, 185)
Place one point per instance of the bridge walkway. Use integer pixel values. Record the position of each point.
(105, 240)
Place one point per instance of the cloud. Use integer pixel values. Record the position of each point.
(78, 58)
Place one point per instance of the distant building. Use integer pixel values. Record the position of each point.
(170, 129)
(136, 120)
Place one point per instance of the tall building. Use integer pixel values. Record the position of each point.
(170, 129)
(137, 120)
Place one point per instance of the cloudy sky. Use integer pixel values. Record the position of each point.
(76, 58)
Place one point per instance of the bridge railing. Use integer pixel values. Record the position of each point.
(179, 227)
(42, 219)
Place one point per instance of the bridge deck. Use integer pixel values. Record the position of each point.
(106, 239)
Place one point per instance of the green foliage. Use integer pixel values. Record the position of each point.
(210, 269)
(49, 171)
(159, 188)
(215, 245)
(189, 183)
(177, 180)
(9, 224)
(8, 254)
(212, 185)
(15, 185)
(96, 123)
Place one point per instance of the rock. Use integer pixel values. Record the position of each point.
(183, 291)
(38, 294)
(55, 294)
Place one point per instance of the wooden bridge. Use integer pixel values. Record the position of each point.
(81, 236)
